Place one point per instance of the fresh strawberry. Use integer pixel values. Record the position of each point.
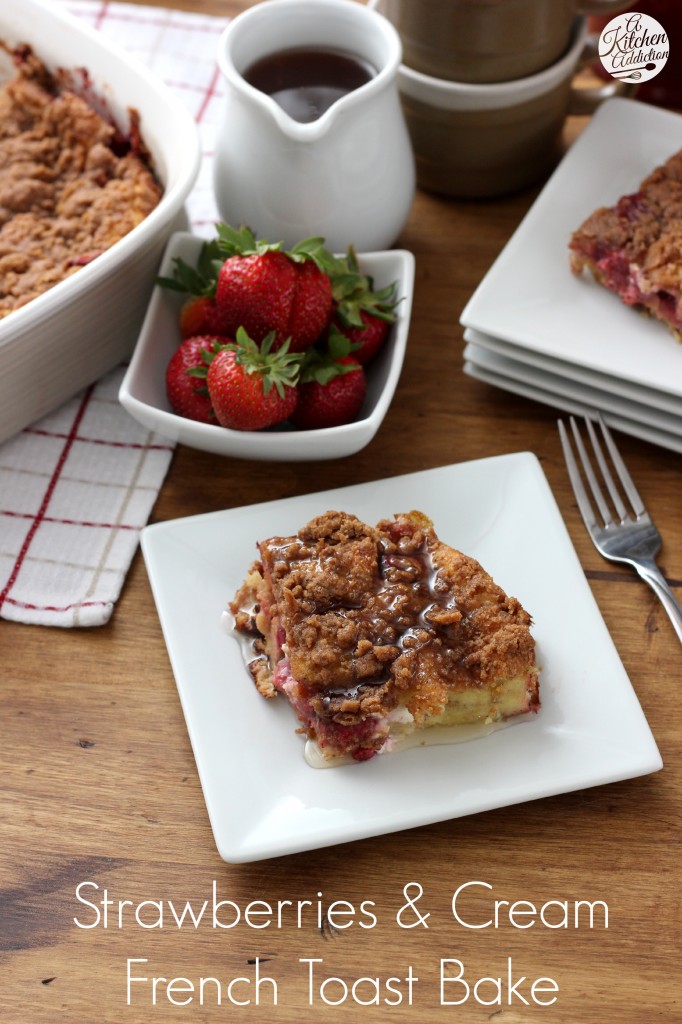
(199, 315)
(263, 288)
(257, 292)
(252, 387)
(186, 390)
(363, 314)
(332, 387)
(369, 338)
(312, 306)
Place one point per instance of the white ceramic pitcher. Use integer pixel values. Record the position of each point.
(347, 176)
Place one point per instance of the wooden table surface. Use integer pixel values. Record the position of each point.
(100, 784)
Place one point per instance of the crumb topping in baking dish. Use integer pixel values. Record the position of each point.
(70, 184)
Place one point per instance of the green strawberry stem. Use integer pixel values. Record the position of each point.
(280, 369)
(200, 280)
(354, 291)
(242, 242)
(322, 365)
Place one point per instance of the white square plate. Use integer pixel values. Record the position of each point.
(530, 297)
(262, 797)
(607, 383)
(514, 375)
(559, 400)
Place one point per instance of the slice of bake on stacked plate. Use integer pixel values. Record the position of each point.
(536, 329)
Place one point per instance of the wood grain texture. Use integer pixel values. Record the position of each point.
(99, 782)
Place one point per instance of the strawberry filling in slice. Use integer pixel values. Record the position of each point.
(634, 248)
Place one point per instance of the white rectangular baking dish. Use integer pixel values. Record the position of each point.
(68, 337)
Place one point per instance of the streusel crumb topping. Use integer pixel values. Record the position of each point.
(70, 186)
(373, 612)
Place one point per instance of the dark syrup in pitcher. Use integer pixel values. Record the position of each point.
(306, 82)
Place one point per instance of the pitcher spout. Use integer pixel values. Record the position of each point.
(306, 61)
(306, 132)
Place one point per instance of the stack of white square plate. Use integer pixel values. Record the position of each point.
(534, 328)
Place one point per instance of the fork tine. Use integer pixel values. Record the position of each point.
(635, 541)
(633, 494)
(597, 492)
(605, 471)
(584, 503)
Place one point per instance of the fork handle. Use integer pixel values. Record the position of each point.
(652, 575)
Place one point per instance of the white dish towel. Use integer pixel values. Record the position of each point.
(77, 487)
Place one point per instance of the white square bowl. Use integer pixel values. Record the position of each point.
(143, 391)
(68, 337)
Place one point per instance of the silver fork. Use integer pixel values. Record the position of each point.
(629, 536)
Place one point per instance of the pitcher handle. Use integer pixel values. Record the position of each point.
(585, 100)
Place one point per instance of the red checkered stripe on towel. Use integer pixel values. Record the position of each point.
(58, 567)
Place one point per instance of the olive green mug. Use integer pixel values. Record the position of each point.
(486, 40)
(479, 141)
